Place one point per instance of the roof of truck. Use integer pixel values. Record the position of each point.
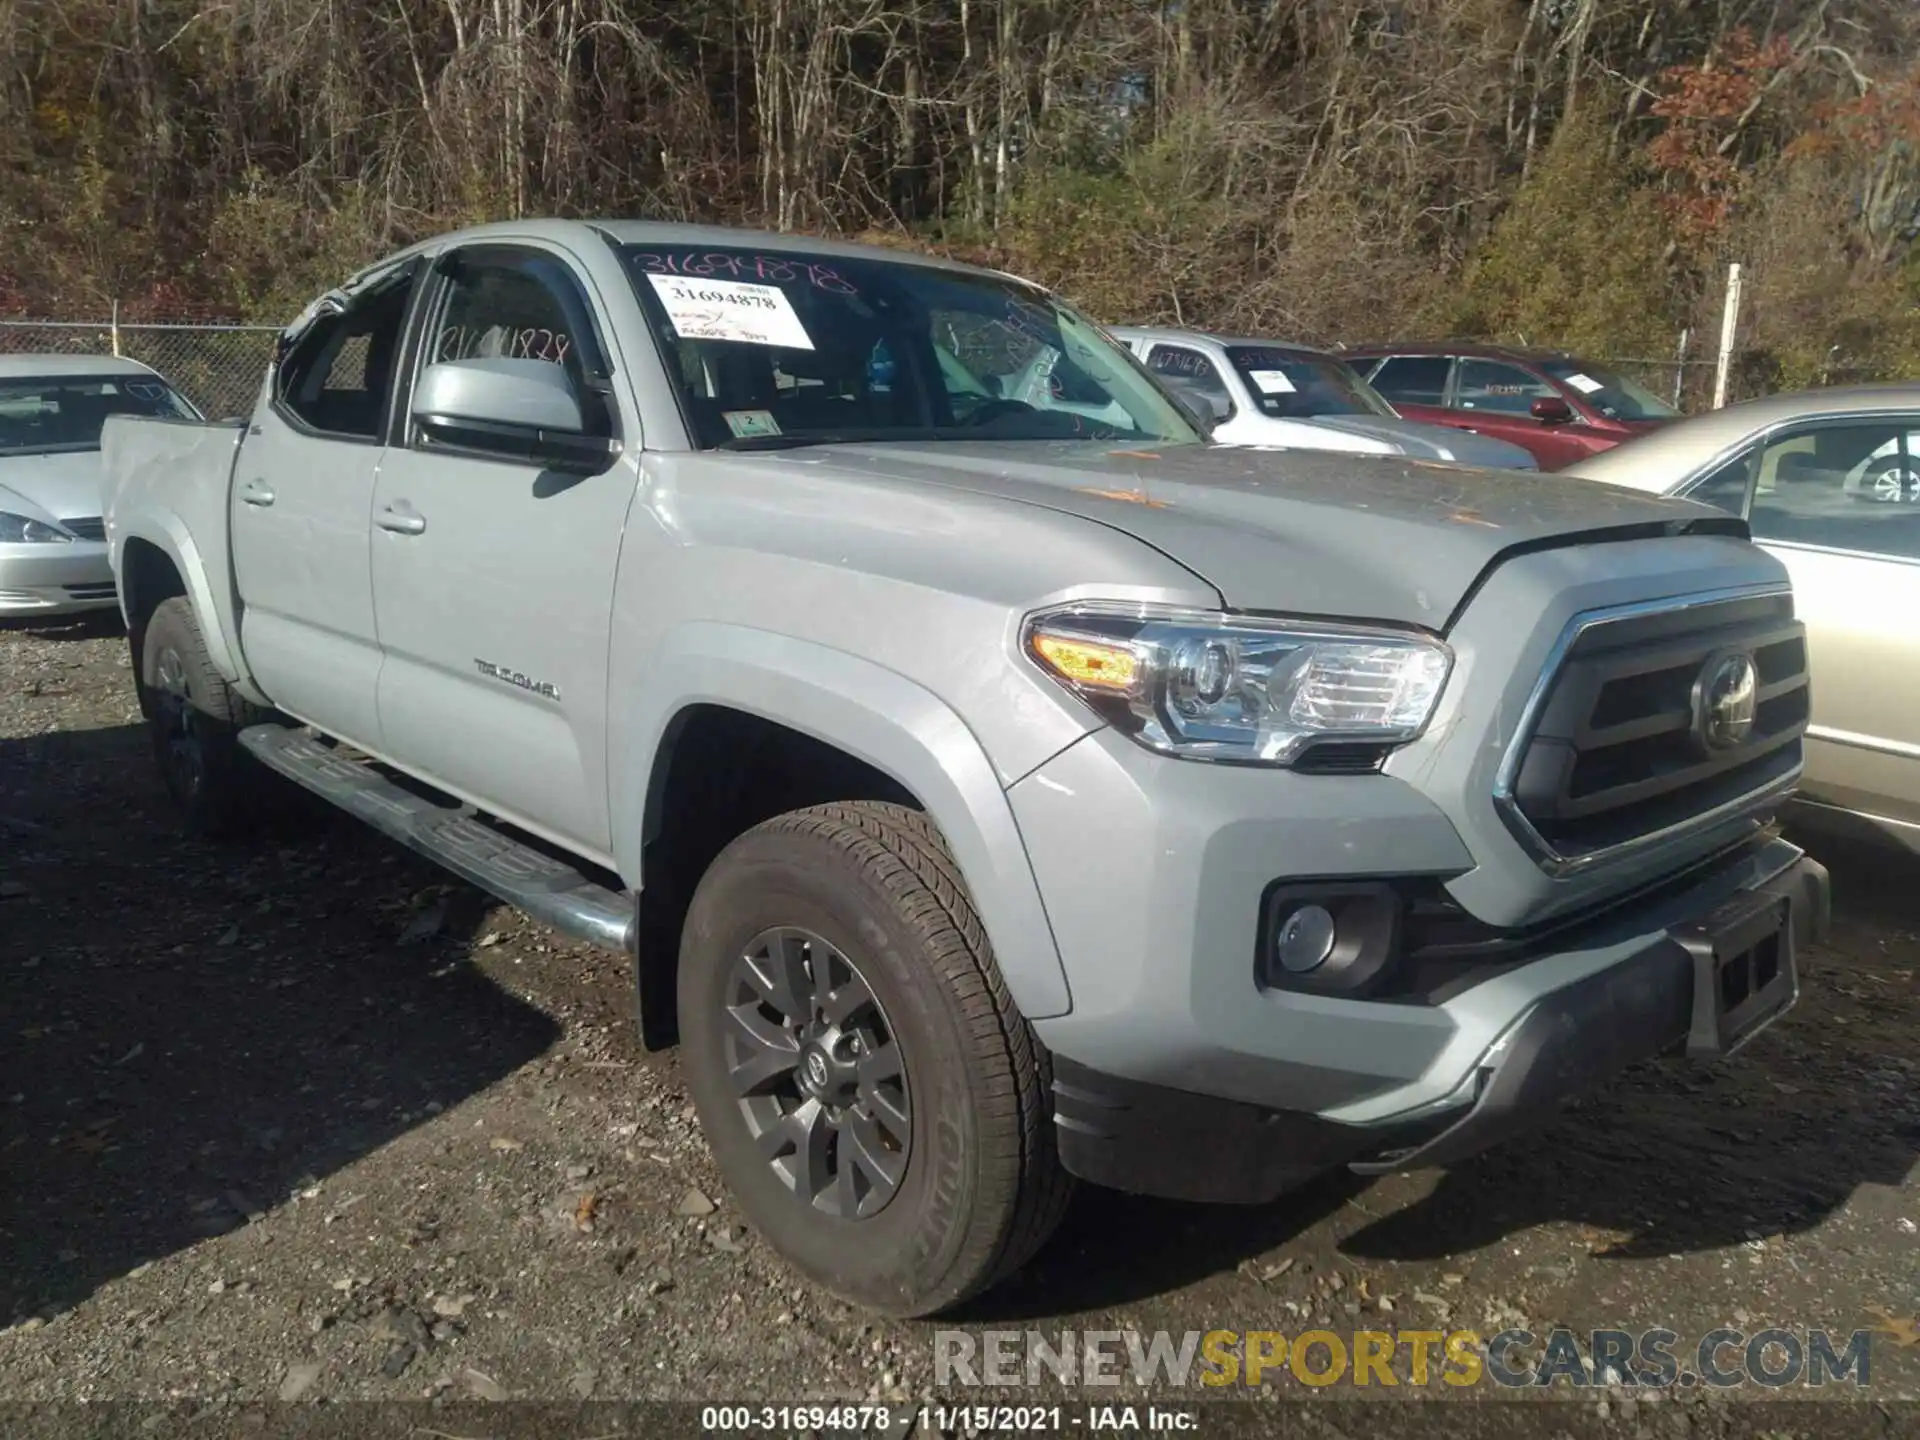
(53, 367)
(663, 232)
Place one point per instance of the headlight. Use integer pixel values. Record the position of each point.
(1223, 687)
(19, 530)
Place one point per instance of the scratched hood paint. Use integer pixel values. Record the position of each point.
(1320, 533)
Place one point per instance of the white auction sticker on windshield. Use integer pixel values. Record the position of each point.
(703, 309)
(1585, 384)
(1271, 382)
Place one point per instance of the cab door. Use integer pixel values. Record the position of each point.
(1494, 398)
(301, 506)
(493, 575)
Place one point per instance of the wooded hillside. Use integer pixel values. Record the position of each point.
(1570, 171)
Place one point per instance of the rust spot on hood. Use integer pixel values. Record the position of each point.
(1131, 497)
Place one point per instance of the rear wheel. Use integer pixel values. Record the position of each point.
(1893, 481)
(872, 1096)
(196, 718)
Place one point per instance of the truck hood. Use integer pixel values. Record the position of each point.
(1435, 442)
(1355, 537)
(63, 485)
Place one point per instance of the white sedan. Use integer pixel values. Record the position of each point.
(1272, 392)
(53, 552)
(1829, 480)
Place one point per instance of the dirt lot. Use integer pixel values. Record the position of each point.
(301, 1119)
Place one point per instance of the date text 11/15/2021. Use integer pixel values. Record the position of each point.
(900, 1420)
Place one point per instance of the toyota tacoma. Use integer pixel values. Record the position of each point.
(993, 784)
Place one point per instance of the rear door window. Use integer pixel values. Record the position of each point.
(338, 374)
(1414, 379)
(1852, 486)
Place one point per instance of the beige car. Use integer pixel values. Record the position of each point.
(1829, 480)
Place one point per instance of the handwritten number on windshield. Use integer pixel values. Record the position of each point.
(764, 269)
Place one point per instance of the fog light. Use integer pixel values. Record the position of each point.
(1305, 940)
(1327, 937)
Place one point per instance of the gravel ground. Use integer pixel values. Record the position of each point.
(301, 1119)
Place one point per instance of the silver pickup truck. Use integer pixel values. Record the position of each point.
(989, 790)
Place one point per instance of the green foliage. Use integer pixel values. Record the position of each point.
(1577, 259)
(269, 251)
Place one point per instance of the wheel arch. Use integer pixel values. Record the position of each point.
(885, 736)
(156, 562)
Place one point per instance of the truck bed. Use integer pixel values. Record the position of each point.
(175, 475)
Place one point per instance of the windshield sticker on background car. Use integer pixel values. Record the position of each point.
(1585, 384)
(745, 424)
(731, 310)
(1271, 382)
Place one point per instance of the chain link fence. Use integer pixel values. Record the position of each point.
(218, 367)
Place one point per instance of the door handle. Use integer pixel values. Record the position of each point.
(400, 521)
(257, 492)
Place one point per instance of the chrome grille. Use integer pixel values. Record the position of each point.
(1614, 750)
(90, 527)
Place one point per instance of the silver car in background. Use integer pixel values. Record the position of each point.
(1271, 392)
(1829, 480)
(53, 551)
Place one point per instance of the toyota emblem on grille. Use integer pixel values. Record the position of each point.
(1725, 698)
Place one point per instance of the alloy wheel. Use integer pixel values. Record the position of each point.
(174, 716)
(817, 1073)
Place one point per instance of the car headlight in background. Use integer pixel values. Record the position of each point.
(19, 530)
(1234, 688)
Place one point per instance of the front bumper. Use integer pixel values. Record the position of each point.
(55, 579)
(1654, 1001)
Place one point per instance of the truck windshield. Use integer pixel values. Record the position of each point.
(40, 417)
(1608, 391)
(778, 348)
(1299, 385)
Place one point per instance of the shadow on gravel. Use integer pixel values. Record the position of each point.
(87, 625)
(1115, 1249)
(1676, 1158)
(190, 1034)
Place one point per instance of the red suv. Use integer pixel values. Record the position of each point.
(1561, 408)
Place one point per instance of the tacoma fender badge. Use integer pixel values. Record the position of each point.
(514, 677)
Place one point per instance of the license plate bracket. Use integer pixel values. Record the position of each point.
(1745, 972)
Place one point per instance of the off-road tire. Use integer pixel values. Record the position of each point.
(982, 1187)
(195, 718)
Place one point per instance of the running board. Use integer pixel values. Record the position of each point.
(456, 836)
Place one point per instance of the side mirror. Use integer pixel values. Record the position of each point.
(1202, 410)
(1551, 410)
(525, 409)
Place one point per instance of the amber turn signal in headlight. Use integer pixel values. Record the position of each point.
(1235, 688)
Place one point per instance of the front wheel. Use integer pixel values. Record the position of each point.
(872, 1096)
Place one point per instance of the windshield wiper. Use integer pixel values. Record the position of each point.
(778, 442)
